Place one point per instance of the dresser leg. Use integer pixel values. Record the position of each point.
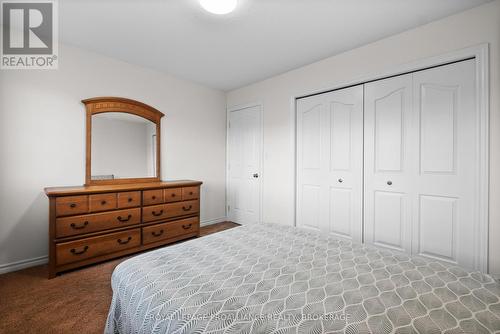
(52, 274)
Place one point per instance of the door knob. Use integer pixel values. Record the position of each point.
(389, 182)
(340, 180)
(255, 175)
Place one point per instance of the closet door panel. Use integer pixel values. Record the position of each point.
(388, 136)
(437, 227)
(344, 169)
(341, 140)
(447, 138)
(311, 137)
(310, 171)
(388, 163)
(341, 216)
(330, 162)
(387, 219)
(310, 202)
(437, 125)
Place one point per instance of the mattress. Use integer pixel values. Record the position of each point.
(265, 278)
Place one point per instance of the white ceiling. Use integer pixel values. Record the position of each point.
(260, 39)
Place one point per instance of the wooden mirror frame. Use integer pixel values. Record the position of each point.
(99, 105)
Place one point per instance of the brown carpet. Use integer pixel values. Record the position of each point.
(75, 302)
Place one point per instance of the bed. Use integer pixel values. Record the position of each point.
(266, 278)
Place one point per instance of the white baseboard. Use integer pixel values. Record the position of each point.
(213, 221)
(18, 265)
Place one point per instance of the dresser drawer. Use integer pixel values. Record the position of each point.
(72, 205)
(69, 226)
(182, 208)
(102, 202)
(83, 249)
(190, 193)
(172, 195)
(169, 230)
(128, 199)
(153, 213)
(170, 210)
(150, 197)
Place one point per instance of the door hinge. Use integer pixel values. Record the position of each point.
(229, 125)
(229, 208)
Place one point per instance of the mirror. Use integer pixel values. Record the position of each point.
(123, 141)
(123, 146)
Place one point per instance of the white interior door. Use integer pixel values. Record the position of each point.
(388, 162)
(330, 162)
(244, 165)
(445, 193)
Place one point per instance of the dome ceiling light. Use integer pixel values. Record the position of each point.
(219, 7)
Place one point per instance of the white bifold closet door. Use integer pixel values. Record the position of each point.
(330, 162)
(421, 140)
(389, 162)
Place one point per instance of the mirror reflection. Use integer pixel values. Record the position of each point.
(123, 146)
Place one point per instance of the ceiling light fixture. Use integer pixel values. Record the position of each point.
(219, 7)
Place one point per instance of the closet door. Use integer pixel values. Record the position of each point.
(445, 188)
(311, 129)
(389, 162)
(421, 139)
(330, 162)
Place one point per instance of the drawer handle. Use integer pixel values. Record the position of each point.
(72, 205)
(173, 195)
(157, 214)
(188, 208)
(75, 252)
(187, 227)
(103, 202)
(157, 234)
(154, 197)
(123, 220)
(73, 225)
(130, 199)
(190, 193)
(123, 242)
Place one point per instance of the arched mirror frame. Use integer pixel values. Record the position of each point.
(98, 105)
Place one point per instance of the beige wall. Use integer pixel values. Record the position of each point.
(478, 25)
(42, 142)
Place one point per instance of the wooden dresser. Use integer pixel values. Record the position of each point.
(89, 224)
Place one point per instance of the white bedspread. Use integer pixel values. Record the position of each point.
(274, 279)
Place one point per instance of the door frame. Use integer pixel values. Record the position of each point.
(229, 110)
(480, 54)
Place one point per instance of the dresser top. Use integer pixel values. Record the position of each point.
(82, 190)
